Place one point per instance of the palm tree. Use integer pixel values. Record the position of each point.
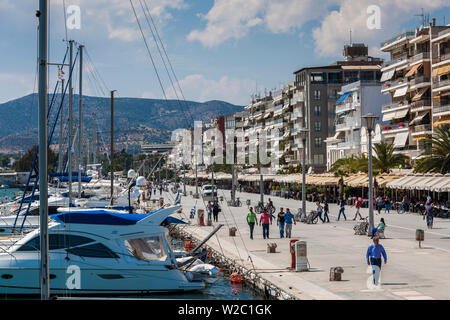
(345, 166)
(385, 159)
(439, 160)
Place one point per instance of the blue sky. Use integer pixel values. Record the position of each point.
(223, 49)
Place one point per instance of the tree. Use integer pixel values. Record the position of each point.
(439, 160)
(385, 159)
(25, 161)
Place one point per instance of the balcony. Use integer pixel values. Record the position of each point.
(398, 61)
(442, 109)
(419, 80)
(440, 83)
(346, 107)
(442, 35)
(392, 85)
(393, 106)
(397, 38)
(422, 129)
(395, 127)
(441, 58)
(419, 56)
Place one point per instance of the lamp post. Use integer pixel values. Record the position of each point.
(370, 121)
(304, 135)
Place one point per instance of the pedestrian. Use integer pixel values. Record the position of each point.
(288, 219)
(319, 211)
(264, 220)
(325, 211)
(379, 201)
(240, 187)
(160, 189)
(373, 257)
(342, 209)
(280, 222)
(216, 210)
(357, 205)
(405, 203)
(209, 209)
(270, 204)
(251, 220)
(387, 205)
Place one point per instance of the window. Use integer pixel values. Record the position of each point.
(148, 249)
(56, 241)
(318, 142)
(318, 159)
(317, 111)
(317, 94)
(318, 126)
(96, 250)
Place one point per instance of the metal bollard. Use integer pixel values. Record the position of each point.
(301, 260)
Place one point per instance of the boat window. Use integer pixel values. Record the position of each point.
(149, 249)
(96, 250)
(56, 241)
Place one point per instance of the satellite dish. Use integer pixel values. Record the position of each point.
(131, 173)
(141, 181)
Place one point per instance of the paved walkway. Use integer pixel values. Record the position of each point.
(411, 272)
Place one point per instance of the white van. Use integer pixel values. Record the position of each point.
(209, 192)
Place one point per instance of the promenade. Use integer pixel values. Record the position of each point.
(411, 273)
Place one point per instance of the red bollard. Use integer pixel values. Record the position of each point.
(292, 250)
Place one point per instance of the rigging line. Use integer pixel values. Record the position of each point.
(168, 60)
(65, 18)
(162, 57)
(35, 80)
(150, 54)
(95, 70)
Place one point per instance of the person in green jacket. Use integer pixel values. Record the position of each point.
(251, 220)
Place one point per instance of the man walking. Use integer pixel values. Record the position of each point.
(358, 206)
(215, 211)
(209, 209)
(319, 211)
(325, 211)
(264, 220)
(251, 219)
(280, 222)
(288, 218)
(373, 257)
(342, 209)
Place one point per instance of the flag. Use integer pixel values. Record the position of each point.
(177, 198)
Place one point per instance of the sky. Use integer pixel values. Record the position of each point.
(219, 49)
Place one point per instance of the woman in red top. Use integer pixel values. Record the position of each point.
(264, 220)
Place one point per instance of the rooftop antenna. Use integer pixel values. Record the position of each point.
(350, 37)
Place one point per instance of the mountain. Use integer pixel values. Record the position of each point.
(136, 120)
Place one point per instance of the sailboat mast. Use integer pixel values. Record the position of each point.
(80, 120)
(112, 147)
(61, 130)
(70, 145)
(43, 188)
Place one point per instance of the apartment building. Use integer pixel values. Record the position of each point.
(440, 81)
(356, 99)
(406, 78)
(317, 89)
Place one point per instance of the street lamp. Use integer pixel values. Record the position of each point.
(304, 135)
(370, 121)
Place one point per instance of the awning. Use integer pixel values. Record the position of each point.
(388, 116)
(286, 106)
(401, 92)
(419, 94)
(259, 117)
(387, 75)
(443, 70)
(402, 182)
(419, 118)
(286, 134)
(438, 123)
(400, 139)
(401, 114)
(343, 97)
(413, 70)
(443, 185)
(267, 115)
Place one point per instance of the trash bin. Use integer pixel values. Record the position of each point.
(420, 236)
(232, 231)
(301, 260)
(248, 202)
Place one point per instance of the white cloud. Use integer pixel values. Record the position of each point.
(198, 88)
(233, 19)
(14, 85)
(335, 27)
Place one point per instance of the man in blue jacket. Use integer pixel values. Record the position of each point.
(373, 257)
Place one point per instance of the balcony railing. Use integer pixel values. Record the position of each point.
(391, 62)
(420, 79)
(394, 83)
(445, 31)
(421, 103)
(401, 125)
(397, 37)
(442, 57)
(422, 128)
(420, 56)
(440, 83)
(346, 106)
(441, 109)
